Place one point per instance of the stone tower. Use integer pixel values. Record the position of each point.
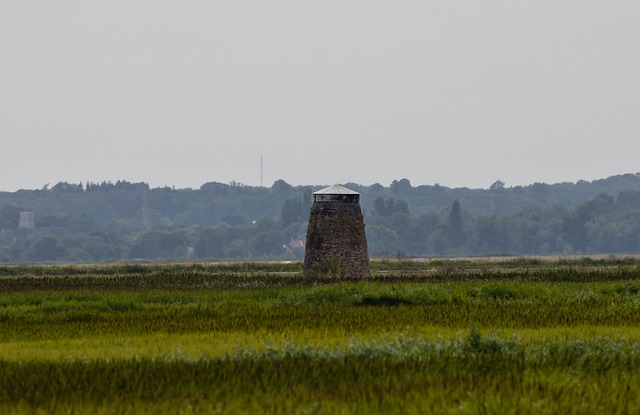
(336, 232)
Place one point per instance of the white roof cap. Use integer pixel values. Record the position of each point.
(336, 189)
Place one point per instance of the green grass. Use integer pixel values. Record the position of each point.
(519, 336)
(264, 275)
(408, 374)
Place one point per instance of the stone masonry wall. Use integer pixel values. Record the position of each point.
(336, 231)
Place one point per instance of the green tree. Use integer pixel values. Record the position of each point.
(9, 217)
(455, 225)
(83, 223)
(281, 189)
(293, 211)
(158, 245)
(381, 240)
(400, 186)
(267, 244)
(45, 249)
(574, 228)
(210, 244)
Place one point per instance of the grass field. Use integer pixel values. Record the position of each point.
(516, 336)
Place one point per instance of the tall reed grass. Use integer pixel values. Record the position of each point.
(522, 336)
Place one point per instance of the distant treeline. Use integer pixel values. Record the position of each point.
(123, 221)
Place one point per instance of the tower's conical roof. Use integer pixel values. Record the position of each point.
(336, 189)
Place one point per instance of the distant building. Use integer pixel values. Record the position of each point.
(298, 243)
(336, 232)
(294, 247)
(27, 220)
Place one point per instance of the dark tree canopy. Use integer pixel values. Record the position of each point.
(95, 222)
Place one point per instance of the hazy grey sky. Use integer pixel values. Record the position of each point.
(179, 93)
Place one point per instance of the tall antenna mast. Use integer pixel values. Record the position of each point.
(261, 172)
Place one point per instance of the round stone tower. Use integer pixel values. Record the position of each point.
(336, 232)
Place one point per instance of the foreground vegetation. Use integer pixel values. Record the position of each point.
(441, 336)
